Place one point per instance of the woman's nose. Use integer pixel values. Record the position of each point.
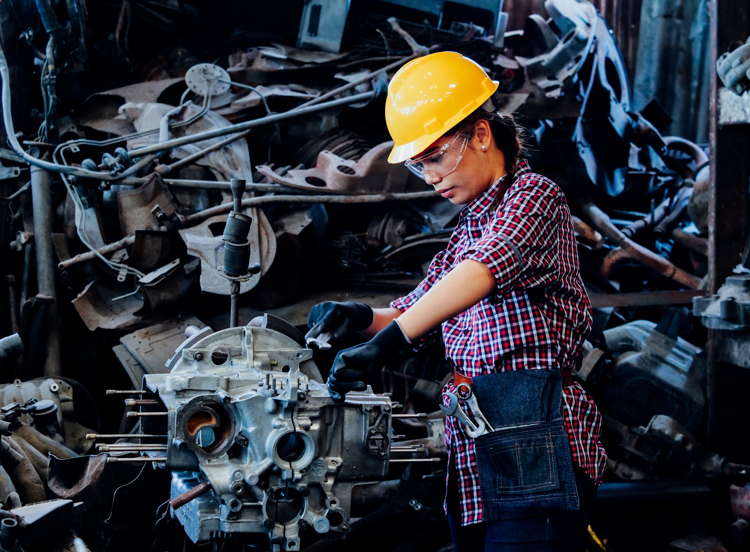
(431, 178)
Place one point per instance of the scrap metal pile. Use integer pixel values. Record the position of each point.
(121, 227)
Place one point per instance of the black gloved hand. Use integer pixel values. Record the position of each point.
(338, 319)
(351, 364)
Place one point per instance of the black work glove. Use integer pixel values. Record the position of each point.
(338, 319)
(351, 364)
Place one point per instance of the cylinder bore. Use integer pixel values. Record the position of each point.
(209, 428)
(284, 504)
(292, 450)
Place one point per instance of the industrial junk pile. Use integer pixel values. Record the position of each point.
(177, 192)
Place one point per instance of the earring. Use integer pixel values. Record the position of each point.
(484, 147)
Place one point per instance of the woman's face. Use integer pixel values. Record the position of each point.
(462, 176)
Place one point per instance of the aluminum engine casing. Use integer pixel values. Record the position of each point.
(284, 455)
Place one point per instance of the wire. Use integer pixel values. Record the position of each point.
(114, 495)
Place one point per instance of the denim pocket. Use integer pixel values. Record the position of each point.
(525, 465)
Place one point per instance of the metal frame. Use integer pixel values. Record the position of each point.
(729, 219)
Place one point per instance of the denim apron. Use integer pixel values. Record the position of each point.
(525, 466)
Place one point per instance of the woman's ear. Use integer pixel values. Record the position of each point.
(483, 132)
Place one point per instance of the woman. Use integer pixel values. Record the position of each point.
(514, 314)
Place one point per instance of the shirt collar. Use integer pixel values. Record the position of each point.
(480, 205)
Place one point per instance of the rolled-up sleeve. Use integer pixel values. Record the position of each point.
(518, 238)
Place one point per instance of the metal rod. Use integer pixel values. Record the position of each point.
(216, 185)
(10, 280)
(124, 436)
(166, 169)
(138, 459)
(200, 489)
(404, 460)
(141, 414)
(131, 392)
(253, 201)
(234, 304)
(41, 197)
(89, 255)
(143, 402)
(420, 416)
(268, 120)
(418, 448)
(131, 448)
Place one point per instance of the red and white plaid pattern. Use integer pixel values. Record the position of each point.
(537, 318)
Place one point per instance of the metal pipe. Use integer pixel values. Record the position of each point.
(420, 416)
(41, 197)
(166, 169)
(255, 123)
(691, 241)
(13, 303)
(253, 201)
(90, 255)
(142, 414)
(126, 392)
(628, 248)
(200, 489)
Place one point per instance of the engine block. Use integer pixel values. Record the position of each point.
(249, 415)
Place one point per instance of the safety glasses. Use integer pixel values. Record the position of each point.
(440, 162)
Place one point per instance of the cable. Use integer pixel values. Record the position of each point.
(114, 495)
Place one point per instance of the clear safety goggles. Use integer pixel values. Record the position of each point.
(439, 163)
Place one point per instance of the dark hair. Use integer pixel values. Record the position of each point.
(508, 134)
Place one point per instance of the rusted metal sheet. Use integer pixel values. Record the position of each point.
(137, 207)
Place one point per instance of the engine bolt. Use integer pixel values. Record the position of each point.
(238, 487)
(198, 356)
(301, 396)
(238, 475)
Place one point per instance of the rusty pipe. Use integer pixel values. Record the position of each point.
(588, 235)
(692, 242)
(200, 489)
(89, 255)
(634, 251)
(166, 169)
(41, 197)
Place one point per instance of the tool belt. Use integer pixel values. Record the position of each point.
(523, 454)
(566, 374)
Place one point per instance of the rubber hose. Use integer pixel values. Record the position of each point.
(6, 486)
(27, 482)
(37, 459)
(42, 443)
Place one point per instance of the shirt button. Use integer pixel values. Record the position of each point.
(466, 331)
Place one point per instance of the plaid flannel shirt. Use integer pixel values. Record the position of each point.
(537, 318)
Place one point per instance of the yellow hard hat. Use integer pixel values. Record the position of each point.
(430, 95)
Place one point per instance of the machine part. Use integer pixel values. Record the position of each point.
(138, 208)
(278, 453)
(652, 373)
(322, 25)
(734, 69)
(334, 174)
(109, 248)
(627, 248)
(206, 79)
(11, 347)
(148, 350)
(646, 298)
(43, 522)
(554, 70)
(729, 309)
(205, 242)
